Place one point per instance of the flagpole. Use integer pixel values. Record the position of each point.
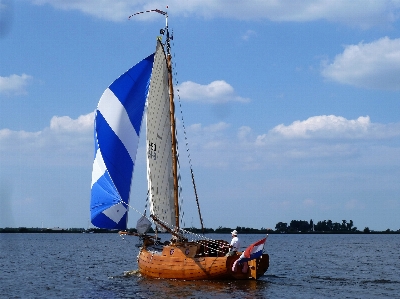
(265, 241)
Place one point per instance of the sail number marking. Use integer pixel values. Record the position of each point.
(151, 153)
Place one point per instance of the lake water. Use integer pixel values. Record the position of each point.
(301, 266)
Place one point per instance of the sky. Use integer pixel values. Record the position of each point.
(291, 108)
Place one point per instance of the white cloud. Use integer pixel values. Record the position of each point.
(14, 84)
(325, 126)
(331, 138)
(65, 123)
(360, 13)
(114, 10)
(243, 133)
(215, 92)
(12, 140)
(319, 138)
(67, 141)
(370, 65)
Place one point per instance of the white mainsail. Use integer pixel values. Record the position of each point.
(158, 137)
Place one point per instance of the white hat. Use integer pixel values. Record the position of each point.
(234, 233)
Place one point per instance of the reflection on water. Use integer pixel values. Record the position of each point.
(202, 289)
(162, 288)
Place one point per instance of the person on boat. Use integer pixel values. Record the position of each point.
(235, 243)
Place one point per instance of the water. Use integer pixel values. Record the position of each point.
(301, 266)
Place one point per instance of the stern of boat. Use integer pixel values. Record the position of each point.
(256, 268)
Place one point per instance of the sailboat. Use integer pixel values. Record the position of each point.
(146, 92)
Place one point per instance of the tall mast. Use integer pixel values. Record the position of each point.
(173, 125)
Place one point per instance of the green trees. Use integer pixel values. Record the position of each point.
(299, 226)
(329, 226)
(281, 227)
(321, 226)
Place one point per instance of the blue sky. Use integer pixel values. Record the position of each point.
(292, 108)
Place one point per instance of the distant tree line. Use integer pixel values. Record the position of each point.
(325, 226)
(302, 226)
(52, 230)
(294, 227)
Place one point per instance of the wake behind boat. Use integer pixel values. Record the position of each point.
(146, 90)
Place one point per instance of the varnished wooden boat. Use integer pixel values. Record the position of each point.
(191, 261)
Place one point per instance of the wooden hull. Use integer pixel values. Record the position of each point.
(182, 262)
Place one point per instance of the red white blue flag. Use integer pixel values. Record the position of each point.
(252, 252)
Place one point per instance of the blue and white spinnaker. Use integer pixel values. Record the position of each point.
(116, 132)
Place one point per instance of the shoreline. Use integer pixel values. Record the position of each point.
(24, 230)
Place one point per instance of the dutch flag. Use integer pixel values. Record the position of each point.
(254, 251)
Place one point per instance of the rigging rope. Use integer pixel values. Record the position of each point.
(180, 195)
(187, 146)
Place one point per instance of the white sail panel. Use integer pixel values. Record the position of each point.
(99, 167)
(118, 119)
(116, 212)
(159, 152)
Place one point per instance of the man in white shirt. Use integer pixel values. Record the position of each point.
(235, 244)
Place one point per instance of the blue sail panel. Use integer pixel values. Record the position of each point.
(116, 132)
